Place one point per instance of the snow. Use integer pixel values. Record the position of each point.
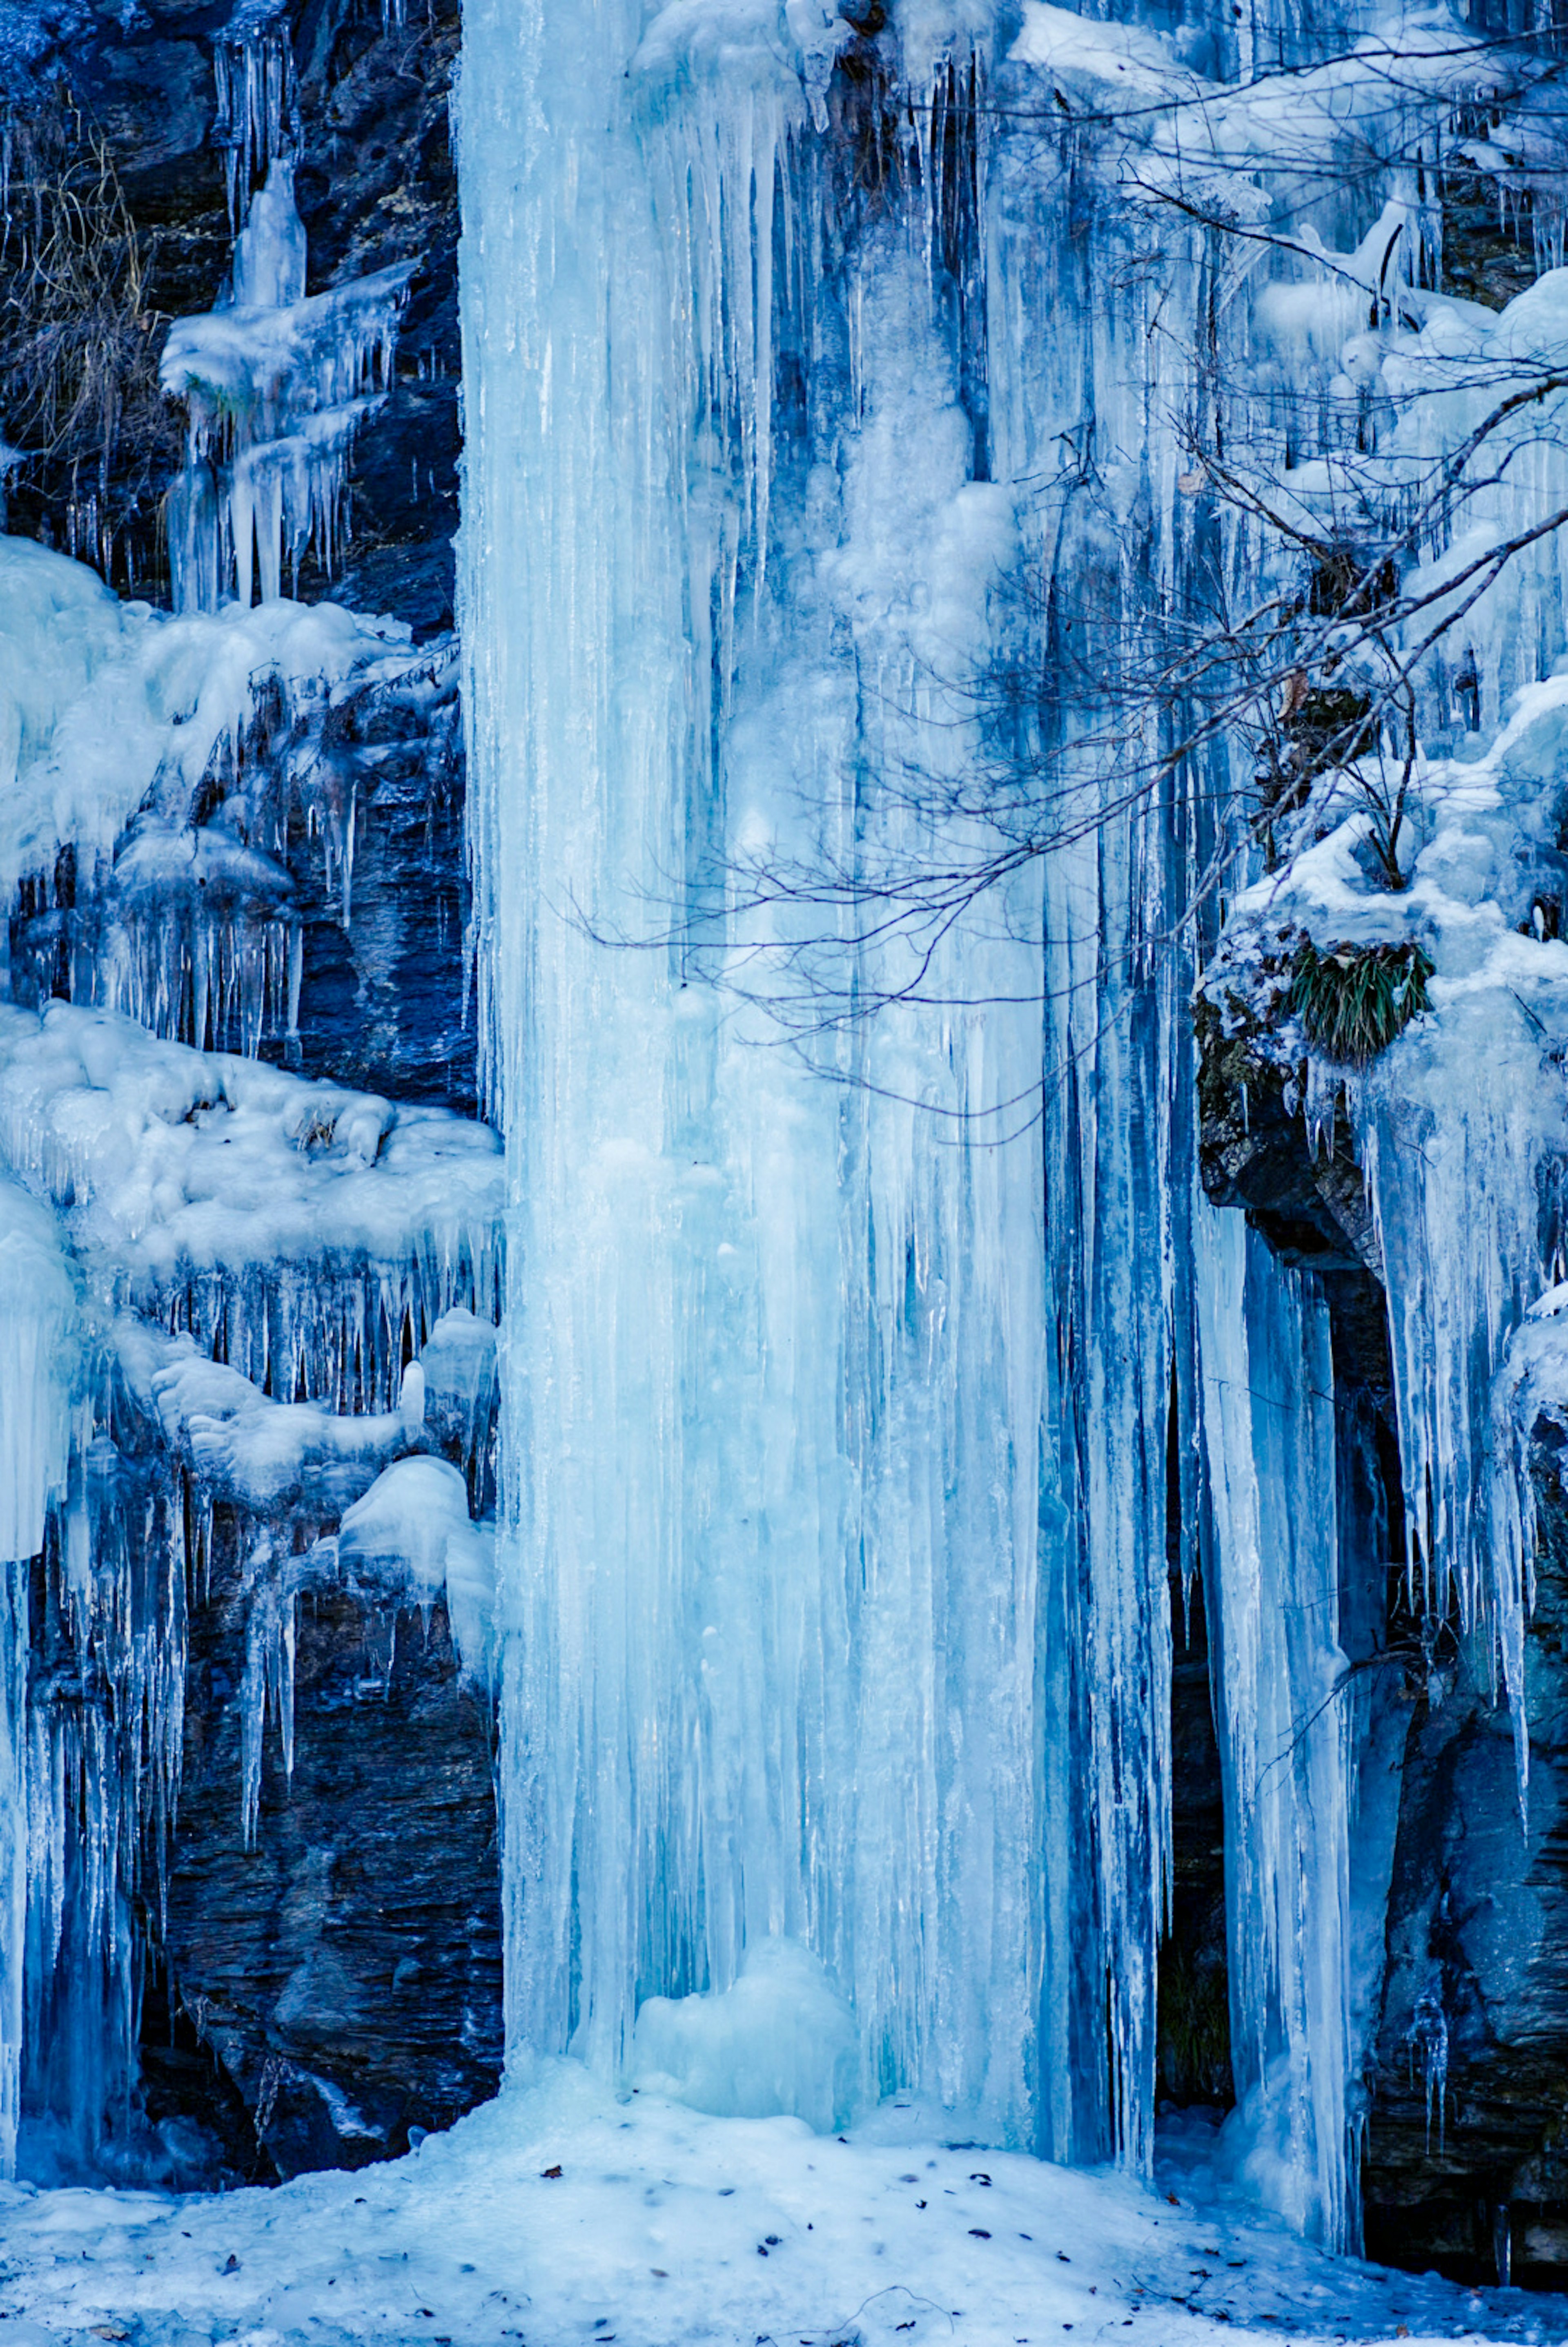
(244, 1447)
(105, 706)
(168, 1163)
(412, 1531)
(559, 2213)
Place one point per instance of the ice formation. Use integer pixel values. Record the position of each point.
(156, 773)
(275, 383)
(834, 1575)
(252, 1260)
(37, 1326)
(844, 423)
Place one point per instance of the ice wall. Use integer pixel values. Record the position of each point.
(775, 1368)
(801, 540)
(37, 1311)
(1285, 1719)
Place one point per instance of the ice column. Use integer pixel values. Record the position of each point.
(773, 1388)
(37, 1304)
(1457, 1134)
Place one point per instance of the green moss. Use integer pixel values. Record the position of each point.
(1354, 999)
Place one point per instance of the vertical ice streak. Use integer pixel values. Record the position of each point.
(37, 1304)
(1284, 1716)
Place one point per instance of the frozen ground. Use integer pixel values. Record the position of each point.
(559, 2215)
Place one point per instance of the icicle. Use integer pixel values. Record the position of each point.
(37, 1310)
(1284, 1718)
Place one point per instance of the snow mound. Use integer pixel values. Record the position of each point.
(558, 2214)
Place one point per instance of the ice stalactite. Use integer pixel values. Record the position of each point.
(166, 778)
(1284, 1721)
(836, 1412)
(258, 100)
(287, 1290)
(1435, 1167)
(38, 1305)
(220, 1217)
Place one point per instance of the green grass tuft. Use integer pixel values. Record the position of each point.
(1354, 999)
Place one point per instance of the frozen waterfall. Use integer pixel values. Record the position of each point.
(859, 406)
(834, 1576)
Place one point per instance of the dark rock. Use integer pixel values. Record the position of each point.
(1254, 1151)
(1477, 1982)
(1194, 2045)
(383, 1002)
(346, 1973)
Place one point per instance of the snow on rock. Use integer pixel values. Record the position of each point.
(107, 707)
(168, 1162)
(244, 1447)
(412, 1531)
(1459, 1125)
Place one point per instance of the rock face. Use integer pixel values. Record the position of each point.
(346, 1970)
(1465, 2164)
(1467, 2158)
(310, 2000)
(1194, 2051)
(136, 106)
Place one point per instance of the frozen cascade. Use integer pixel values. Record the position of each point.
(835, 1454)
(275, 383)
(775, 1371)
(257, 100)
(1453, 1310)
(835, 1643)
